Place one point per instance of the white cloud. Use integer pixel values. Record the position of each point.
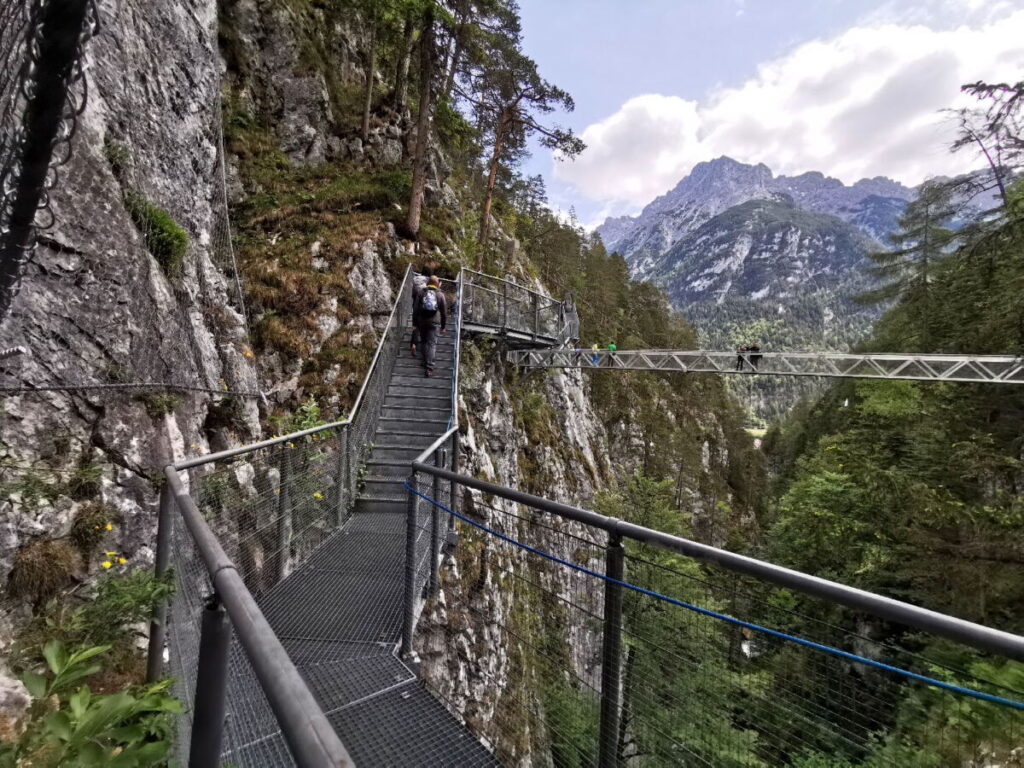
(865, 103)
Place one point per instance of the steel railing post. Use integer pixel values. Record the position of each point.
(504, 306)
(158, 622)
(409, 617)
(283, 515)
(536, 315)
(341, 478)
(453, 501)
(435, 525)
(211, 687)
(611, 655)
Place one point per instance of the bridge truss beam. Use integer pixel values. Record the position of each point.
(989, 369)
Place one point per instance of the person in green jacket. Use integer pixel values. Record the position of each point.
(611, 353)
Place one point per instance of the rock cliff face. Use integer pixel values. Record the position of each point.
(96, 308)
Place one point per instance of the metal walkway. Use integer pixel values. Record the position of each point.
(339, 615)
(316, 523)
(989, 369)
(520, 317)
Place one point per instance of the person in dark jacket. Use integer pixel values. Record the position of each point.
(755, 356)
(430, 316)
(419, 282)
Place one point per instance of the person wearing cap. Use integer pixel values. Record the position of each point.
(429, 317)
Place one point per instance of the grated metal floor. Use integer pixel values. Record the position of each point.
(340, 617)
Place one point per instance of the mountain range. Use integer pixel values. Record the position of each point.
(750, 256)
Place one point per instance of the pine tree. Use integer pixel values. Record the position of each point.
(428, 59)
(906, 271)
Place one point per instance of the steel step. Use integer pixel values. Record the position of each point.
(413, 426)
(439, 382)
(366, 505)
(419, 401)
(421, 413)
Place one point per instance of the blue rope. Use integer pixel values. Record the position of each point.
(732, 620)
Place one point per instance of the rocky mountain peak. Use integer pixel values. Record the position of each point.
(713, 186)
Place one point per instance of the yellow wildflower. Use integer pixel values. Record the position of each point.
(122, 560)
(106, 563)
(318, 495)
(108, 527)
(110, 554)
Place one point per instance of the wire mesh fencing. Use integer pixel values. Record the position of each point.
(282, 513)
(538, 702)
(507, 307)
(700, 667)
(270, 510)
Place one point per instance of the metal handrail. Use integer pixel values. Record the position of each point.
(230, 453)
(966, 632)
(310, 737)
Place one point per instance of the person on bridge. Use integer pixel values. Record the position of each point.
(430, 314)
(741, 352)
(594, 357)
(611, 353)
(755, 356)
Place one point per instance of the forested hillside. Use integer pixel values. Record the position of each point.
(915, 489)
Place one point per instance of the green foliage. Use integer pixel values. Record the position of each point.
(164, 237)
(679, 687)
(70, 726)
(42, 568)
(160, 403)
(85, 481)
(572, 720)
(121, 602)
(912, 489)
(90, 526)
(117, 156)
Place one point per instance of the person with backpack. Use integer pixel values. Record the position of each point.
(755, 357)
(430, 315)
(419, 282)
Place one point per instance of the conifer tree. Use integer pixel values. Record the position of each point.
(428, 58)
(906, 271)
(509, 96)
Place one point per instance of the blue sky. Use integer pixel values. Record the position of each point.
(849, 87)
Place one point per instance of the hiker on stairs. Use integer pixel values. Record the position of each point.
(429, 317)
(419, 282)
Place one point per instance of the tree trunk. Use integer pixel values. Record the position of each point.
(453, 65)
(419, 171)
(492, 176)
(371, 70)
(401, 96)
(996, 171)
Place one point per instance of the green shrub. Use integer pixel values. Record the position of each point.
(122, 600)
(159, 403)
(85, 482)
(69, 725)
(90, 526)
(117, 156)
(165, 238)
(42, 568)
